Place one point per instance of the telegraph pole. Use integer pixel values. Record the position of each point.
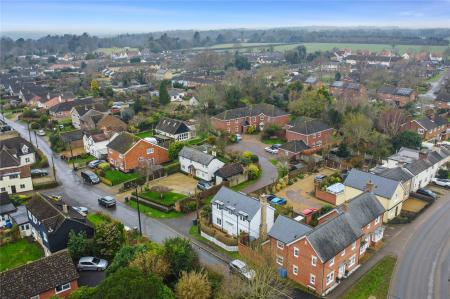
(54, 169)
(138, 210)
(35, 137)
(71, 155)
(29, 132)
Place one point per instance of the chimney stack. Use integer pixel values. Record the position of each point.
(369, 186)
(65, 209)
(263, 226)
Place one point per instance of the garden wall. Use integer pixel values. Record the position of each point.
(151, 204)
(218, 243)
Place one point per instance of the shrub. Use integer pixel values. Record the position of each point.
(172, 168)
(35, 126)
(47, 185)
(193, 285)
(253, 171)
(226, 240)
(208, 230)
(182, 257)
(104, 166)
(251, 129)
(124, 256)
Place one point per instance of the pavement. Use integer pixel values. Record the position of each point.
(253, 144)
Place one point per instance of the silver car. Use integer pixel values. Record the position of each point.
(241, 268)
(90, 263)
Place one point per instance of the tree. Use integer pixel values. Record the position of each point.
(94, 87)
(108, 239)
(164, 97)
(138, 105)
(311, 103)
(356, 129)
(51, 59)
(390, 121)
(193, 285)
(196, 40)
(135, 60)
(174, 149)
(152, 261)
(343, 151)
(253, 171)
(83, 293)
(241, 62)
(296, 56)
(378, 145)
(181, 256)
(77, 244)
(132, 283)
(407, 139)
(124, 256)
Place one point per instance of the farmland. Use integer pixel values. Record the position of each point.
(109, 51)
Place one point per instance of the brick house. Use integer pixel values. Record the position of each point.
(313, 132)
(427, 128)
(347, 89)
(259, 115)
(50, 276)
(320, 257)
(294, 149)
(126, 152)
(398, 96)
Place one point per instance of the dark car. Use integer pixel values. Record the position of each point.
(90, 177)
(203, 185)
(39, 172)
(107, 201)
(426, 192)
(95, 163)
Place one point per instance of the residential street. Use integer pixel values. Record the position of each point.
(435, 86)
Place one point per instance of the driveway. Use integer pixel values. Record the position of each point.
(269, 171)
(178, 182)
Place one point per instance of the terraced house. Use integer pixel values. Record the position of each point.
(395, 95)
(259, 115)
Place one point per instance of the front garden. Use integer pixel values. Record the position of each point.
(118, 177)
(167, 198)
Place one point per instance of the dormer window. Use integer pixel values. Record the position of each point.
(25, 149)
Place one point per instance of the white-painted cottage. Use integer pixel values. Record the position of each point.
(198, 163)
(95, 144)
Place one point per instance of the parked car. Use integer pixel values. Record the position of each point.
(41, 132)
(55, 197)
(90, 177)
(238, 138)
(427, 192)
(92, 263)
(271, 149)
(278, 201)
(203, 185)
(107, 201)
(319, 178)
(39, 172)
(442, 182)
(81, 210)
(241, 268)
(95, 163)
(308, 211)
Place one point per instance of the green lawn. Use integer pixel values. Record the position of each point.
(144, 134)
(154, 213)
(19, 253)
(168, 199)
(117, 177)
(244, 185)
(273, 141)
(81, 160)
(97, 218)
(193, 231)
(374, 283)
(197, 140)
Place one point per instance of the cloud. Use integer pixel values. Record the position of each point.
(410, 13)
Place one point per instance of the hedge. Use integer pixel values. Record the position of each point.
(105, 181)
(41, 160)
(172, 168)
(48, 185)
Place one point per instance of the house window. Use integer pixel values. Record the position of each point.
(280, 260)
(352, 260)
(237, 129)
(295, 269)
(313, 260)
(318, 135)
(62, 287)
(219, 221)
(312, 279)
(236, 121)
(27, 160)
(261, 117)
(3, 189)
(44, 236)
(150, 151)
(296, 251)
(330, 277)
(280, 245)
(420, 131)
(343, 252)
(332, 262)
(377, 220)
(22, 186)
(13, 176)
(354, 245)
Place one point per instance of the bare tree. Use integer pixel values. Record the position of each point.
(390, 121)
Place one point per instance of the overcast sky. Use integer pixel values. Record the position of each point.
(116, 16)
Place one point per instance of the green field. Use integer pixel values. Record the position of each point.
(109, 51)
(311, 47)
(19, 253)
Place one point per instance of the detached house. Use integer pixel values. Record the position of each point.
(95, 144)
(175, 129)
(198, 163)
(126, 152)
(259, 115)
(51, 222)
(50, 276)
(313, 132)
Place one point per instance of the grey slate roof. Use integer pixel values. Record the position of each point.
(434, 157)
(16, 144)
(196, 155)
(230, 170)
(418, 166)
(7, 159)
(72, 136)
(239, 201)
(396, 174)
(172, 126)
(364, 208)
(122, 143)
(295, 146)
(288, 230)
(252, 110)
(426, 123)
(333, 236)
(20, 215)
(306, 125)
(37, 277)
(383, 187)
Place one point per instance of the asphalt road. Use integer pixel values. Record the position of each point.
(76, 193)
(423, 266)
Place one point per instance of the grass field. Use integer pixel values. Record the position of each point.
(375, 283)
(109, 51)
(168, 198)
(311, 47)
(118, 177)
(19, 253)
(154, 213)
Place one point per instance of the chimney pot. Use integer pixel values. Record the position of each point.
(370, 186)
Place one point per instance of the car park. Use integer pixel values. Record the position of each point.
(107, 201)
(278, 201)
(441, 182)
(41, 132)
(203, 185)
(39, 172)
(90, 263)
(90, 177)
(426, 192)
(241, 268)
(95, 163)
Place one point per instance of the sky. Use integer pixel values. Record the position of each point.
(117, 16)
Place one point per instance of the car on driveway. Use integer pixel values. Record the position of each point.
(241, 268)
(41, 133)
(273, 149)
(278, 201)
(107, 201)
(95, 163)
(426, 192)
(39, 172)
(442, 182)
(90, 263)
(81, 210)
(203, 185)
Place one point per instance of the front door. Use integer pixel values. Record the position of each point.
(341, 271)
(13, 189)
